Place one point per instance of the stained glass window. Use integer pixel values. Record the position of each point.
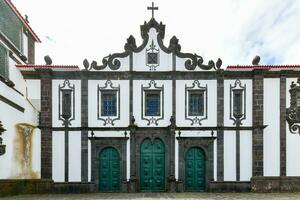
(108, 103)
(196, 103)
(237, 102)
(152, 103)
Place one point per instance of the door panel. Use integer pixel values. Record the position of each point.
(109, 170)
(195, 170)
(152, 165)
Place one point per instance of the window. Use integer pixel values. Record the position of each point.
(152, 58)
(196, 102)
(66, 103)
(109, 103)
(237, 102)
(25, 45)
(3, 62)
(298, 104)
(152, 103)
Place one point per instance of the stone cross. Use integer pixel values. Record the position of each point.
(152, 8)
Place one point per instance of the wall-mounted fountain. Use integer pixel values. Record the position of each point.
(25, 155)
(2, 146)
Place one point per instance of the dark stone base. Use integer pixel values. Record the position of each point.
(74, 187)
(229, 186)
(275, 184)
(25, 186)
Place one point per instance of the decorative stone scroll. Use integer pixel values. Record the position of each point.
(292, 113)
(193, 60)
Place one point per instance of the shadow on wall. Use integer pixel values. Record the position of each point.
(23, 152)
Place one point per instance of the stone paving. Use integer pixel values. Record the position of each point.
(148, 196)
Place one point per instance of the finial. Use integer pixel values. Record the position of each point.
(152, 8)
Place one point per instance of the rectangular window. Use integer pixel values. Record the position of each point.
(196, 102)
(25, 45)
(237, 102)
(108, 103)
(3, 62)
(66, 103)
(152, 58)
(298, 105)
(152, 103)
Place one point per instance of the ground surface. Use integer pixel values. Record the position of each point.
(185, 196)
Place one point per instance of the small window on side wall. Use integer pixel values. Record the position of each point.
(152, 58)
(108, 103)
(237, 102)
(196, 103)
(66, 103)
(152, 103)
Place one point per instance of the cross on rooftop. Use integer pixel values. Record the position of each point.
(152, 8)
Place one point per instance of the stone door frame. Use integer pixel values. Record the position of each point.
(100, 143)
(207, 145)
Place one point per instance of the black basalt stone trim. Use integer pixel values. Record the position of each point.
(282, 125)
(257, 115)
(203, 128)
(46, 121)
(84, 133)
(220, 122)
(11, 103)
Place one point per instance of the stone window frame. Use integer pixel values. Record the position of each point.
(237, 87)
(108, 86)
(196, 86)
(61, 89)
(152, 86)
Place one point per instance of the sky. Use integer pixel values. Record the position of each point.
(233, 30)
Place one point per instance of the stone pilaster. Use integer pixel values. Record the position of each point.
(84, 133)
(220, 122)
(257, 114)
(282, 125)
(46, 124)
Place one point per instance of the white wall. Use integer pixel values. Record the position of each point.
(74, 156)
(33, 92)
(229, 156)
(11, 161)
(58, 156)
(245, 155)
(272, 131)
(55, 103)
(292, 141)
(16, 76)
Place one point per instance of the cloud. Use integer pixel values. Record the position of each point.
(236, 31)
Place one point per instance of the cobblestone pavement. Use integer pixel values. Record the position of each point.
(185, 196)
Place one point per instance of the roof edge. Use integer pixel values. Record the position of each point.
(21, 18)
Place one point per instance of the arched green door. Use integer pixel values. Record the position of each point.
(152, 165)
(195, 170)
(109, 170)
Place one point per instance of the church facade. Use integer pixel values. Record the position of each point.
(152, 118)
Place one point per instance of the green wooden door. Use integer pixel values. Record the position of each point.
(109, 170)
(152, 165)
(195, 170)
